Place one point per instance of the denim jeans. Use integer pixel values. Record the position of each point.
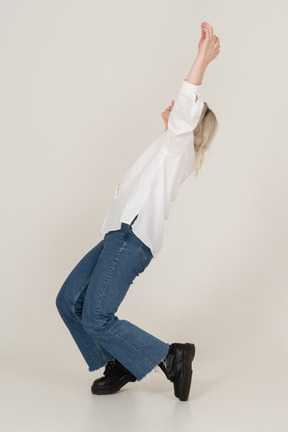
(89, 299)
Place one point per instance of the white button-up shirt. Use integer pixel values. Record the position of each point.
(153, 180)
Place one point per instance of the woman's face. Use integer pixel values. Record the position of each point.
(166, 113)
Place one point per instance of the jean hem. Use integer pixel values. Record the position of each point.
(144, 374)
(94, 368)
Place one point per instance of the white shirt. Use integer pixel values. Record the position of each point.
(153, 180)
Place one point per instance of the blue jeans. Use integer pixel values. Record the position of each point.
(89, 299)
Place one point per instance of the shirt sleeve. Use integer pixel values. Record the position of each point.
(184, 118)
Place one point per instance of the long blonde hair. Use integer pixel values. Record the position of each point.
(204, 133)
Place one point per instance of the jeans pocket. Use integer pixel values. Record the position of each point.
(145, 252)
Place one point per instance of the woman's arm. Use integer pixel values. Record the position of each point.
(206, 53)
(188, 105)
(197, 71)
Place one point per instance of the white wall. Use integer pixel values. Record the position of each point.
(83, 85)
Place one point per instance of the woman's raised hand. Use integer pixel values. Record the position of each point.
(208, 40)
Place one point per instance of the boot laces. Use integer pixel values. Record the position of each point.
(167, 371)
(109, 367)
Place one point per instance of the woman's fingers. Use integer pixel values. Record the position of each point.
(206, 33)
(207, 26)
(217, 42)
(208, 29)
(209, 32)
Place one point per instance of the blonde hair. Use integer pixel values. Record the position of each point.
(204, 133)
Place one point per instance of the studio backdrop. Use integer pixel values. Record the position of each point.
(83, 85)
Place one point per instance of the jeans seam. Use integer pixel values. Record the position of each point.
(101, 296)
(107, 280)
(76, 299)
(100, 349)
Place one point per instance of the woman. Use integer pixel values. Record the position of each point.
(133, 228)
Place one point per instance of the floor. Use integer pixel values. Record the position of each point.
(246, 392)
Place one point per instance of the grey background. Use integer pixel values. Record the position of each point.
(83, 85)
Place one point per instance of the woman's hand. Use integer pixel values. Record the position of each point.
(166, 114)
(206, 46)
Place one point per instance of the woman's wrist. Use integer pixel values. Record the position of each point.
(197, 71)
(202, 59)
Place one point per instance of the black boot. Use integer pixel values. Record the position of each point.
(177, 368)
(115, 377)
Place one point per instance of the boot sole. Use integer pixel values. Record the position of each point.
(189, 354)
(102, 390)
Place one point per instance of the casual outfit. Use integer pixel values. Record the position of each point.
(90, 296)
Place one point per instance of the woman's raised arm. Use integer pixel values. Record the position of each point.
(208, 50)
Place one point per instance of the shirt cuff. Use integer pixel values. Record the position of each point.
(190, 89)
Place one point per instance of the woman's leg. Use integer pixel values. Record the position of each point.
(122, 259)
(70, 301)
